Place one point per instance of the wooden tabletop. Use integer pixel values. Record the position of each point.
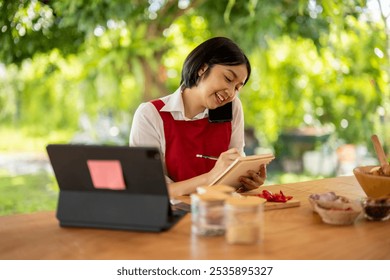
(291, 233)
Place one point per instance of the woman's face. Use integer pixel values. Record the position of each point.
(221, 85)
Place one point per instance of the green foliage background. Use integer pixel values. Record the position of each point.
(318, 64)
(315, 63)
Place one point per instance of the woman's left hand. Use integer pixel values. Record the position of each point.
(254, 179)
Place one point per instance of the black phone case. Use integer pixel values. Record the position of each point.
(221, 114)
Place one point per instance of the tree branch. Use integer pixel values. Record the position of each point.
(165, 12)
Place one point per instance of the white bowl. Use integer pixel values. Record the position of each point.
(339, 216)
(328, 200)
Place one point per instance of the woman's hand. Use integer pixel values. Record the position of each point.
(223, 162)
(253, 180)
(189, 186)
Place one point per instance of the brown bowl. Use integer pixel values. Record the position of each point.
(374, 186)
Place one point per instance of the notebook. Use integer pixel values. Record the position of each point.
(114, 187)
(239, 167)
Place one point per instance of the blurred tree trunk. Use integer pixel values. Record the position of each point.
(153, 68)
(154, 84)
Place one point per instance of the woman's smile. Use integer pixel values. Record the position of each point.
(220, 98)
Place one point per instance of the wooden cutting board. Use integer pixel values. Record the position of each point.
(184, 202)
(274, 205)
(267, 206)
(280, 205)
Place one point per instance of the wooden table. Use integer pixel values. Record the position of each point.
(292, 233)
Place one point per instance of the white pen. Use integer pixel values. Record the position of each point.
(208, 157)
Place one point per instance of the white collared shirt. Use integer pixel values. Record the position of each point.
(148, 128)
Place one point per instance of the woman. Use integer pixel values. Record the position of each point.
(212, 75)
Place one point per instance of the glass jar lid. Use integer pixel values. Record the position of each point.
(220, 188)
(245, 201)
(211, 196)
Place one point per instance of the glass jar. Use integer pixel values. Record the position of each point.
(208, 213)
(244, 220)
(194, 211)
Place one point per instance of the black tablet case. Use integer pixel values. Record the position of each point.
(143, 205)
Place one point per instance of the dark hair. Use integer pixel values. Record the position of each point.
(217, 50)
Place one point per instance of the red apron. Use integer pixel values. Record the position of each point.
(185, 139)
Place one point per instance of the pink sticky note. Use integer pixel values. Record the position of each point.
(106, 174)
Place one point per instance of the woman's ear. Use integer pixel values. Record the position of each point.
(202, 69)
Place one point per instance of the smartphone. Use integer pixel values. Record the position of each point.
(221, 114)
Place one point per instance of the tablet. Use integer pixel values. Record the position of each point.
(240, 167)
(114, 187)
